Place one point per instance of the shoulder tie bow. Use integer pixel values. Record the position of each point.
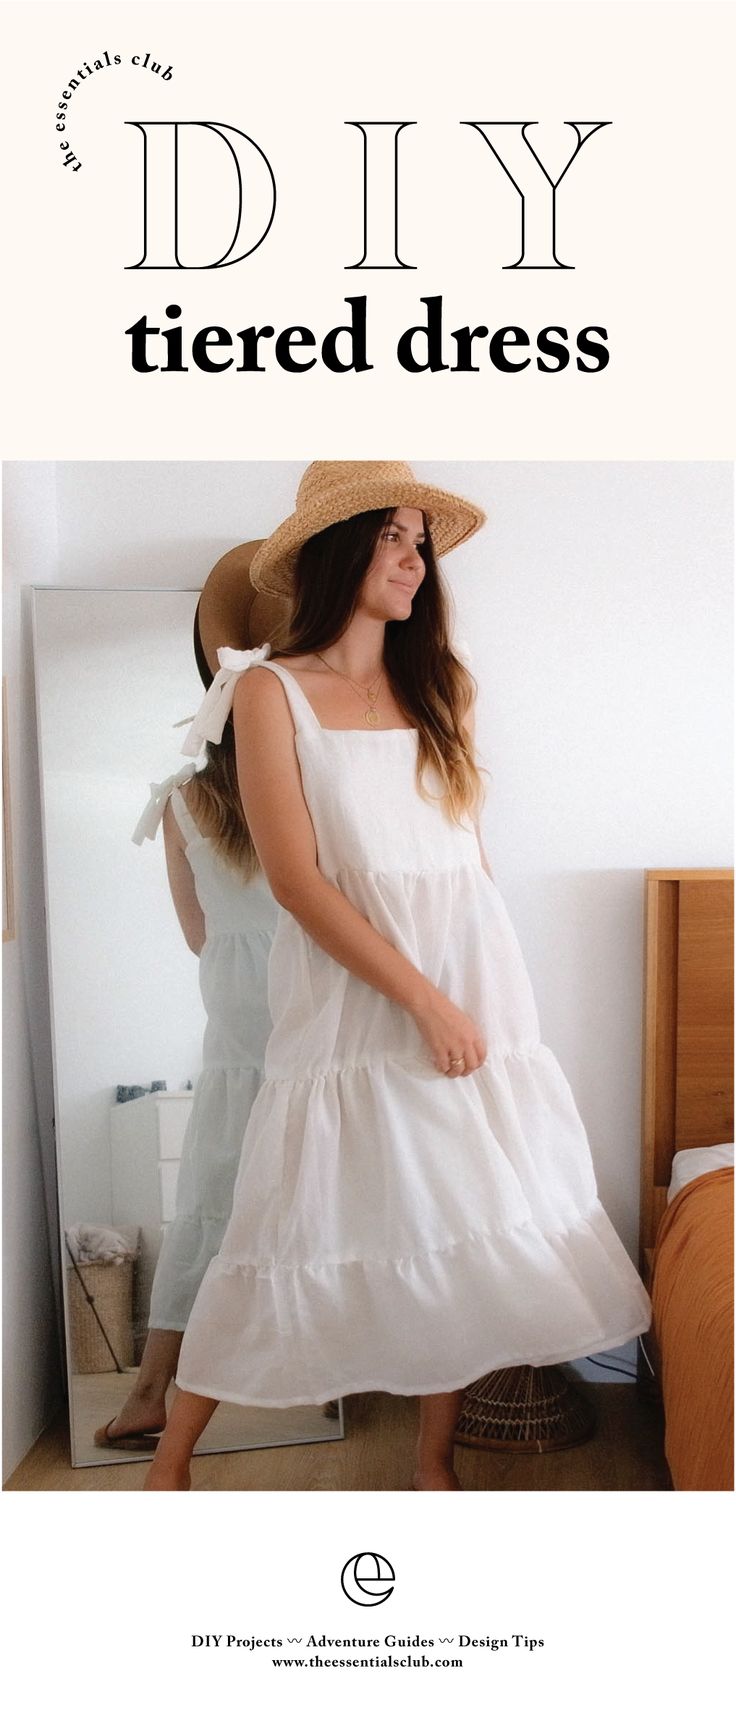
(146, 828)
(215, 708)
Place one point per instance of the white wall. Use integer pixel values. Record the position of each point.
(597, 604)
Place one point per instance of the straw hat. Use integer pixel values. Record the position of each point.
(335, 489)
(232, 612)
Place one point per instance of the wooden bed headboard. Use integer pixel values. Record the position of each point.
(688, 1029)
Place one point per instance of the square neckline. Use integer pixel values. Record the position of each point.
(372, 732)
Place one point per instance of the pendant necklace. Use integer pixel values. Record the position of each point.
(370, 715)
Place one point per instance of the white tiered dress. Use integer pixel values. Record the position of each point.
(240, 920)
(394, 1229)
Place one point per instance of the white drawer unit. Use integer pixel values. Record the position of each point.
(146, 1138)
(169, 1175)
(172, 1114)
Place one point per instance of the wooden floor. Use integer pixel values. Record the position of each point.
(376, 1455)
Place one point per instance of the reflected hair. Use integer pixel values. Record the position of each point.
(433, 688)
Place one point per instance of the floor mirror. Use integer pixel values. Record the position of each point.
(115, 673)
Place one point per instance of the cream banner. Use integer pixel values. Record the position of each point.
(280, 231)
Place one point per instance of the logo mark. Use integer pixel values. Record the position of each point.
(367, 1578)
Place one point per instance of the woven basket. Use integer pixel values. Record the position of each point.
(111, 1285)
(532, 1409)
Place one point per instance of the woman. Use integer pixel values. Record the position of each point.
(416, 1204)
(228, 916)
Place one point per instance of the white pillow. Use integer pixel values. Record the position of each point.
(688, 1165)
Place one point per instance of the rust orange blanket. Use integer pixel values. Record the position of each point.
(692, 1297)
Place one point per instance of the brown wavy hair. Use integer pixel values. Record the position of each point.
(213, 795)
(432, 686)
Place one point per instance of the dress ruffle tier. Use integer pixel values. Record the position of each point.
(380, 1261)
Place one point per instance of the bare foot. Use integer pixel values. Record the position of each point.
(435, 1479)
(139, 1414)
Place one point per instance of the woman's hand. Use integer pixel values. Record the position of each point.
(455, 1043)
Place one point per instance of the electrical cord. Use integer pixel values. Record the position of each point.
(608, 1366)
(640, 1340)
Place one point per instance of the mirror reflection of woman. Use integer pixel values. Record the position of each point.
(228, 916)
(416, 1204)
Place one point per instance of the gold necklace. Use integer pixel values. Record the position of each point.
(370, 692)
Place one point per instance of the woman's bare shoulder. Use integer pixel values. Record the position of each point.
(260, 696)
(258, 683)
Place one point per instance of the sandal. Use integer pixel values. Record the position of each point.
(105, 1440)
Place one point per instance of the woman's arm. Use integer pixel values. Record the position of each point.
(284, 838)
(181, 883)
